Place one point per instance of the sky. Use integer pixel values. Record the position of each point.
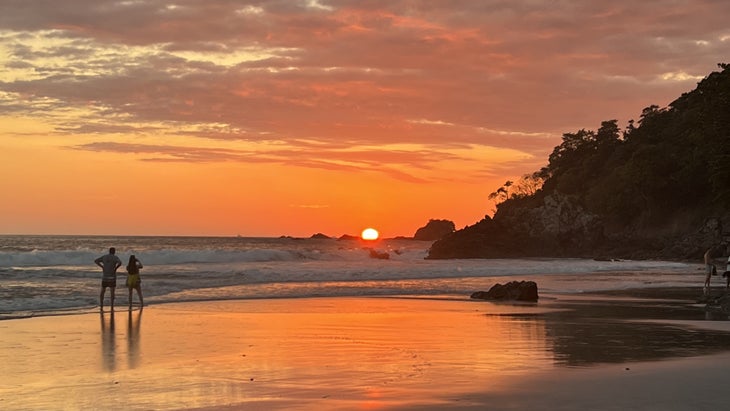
(296, 117)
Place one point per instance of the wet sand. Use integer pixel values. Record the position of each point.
(648, 350)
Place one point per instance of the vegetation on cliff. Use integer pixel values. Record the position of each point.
(658, 188)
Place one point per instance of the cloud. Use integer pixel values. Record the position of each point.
(411, 163)
(500, 74)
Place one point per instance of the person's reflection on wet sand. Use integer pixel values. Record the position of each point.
(108, 343)
(134, 324)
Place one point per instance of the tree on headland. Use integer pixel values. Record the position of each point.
(674, 160)
(526, 186)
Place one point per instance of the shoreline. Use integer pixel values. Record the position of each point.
(683, 294)
(389, 352)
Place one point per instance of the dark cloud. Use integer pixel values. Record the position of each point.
(356, 72)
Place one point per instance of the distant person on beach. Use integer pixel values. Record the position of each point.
(133, 280)
(709, 266)
(109, 264)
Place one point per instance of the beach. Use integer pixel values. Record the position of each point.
(651, 350)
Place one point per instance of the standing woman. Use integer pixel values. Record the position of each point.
(133, 280)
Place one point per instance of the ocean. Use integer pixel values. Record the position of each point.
(56, 275)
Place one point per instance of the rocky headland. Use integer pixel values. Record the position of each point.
(659, 188)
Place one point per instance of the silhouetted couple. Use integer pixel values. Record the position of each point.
(109, 264)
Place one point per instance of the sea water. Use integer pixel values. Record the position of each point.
(49, 275)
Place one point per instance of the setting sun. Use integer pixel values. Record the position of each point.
(369, 234)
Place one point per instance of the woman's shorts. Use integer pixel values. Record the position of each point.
(133, 280)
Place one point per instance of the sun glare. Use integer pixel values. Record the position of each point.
(369, 234)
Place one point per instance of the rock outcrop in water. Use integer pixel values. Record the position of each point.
(381, 255)
(320, 236)
(434, 230)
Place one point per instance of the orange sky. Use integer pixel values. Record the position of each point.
(268, 118)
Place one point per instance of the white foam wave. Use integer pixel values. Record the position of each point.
(42, 258)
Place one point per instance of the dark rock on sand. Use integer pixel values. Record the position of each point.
(513, 290)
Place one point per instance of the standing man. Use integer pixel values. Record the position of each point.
(710, 268)
(109, 264)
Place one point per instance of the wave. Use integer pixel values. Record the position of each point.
(44, 258)
(43, 251)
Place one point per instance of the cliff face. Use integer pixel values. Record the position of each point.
(554, 226)
(562, 229)
(659, 190)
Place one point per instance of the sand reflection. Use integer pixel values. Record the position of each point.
(134, 324)
(617, 331)
(108, 342)
(365, 347)
(345, 353)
